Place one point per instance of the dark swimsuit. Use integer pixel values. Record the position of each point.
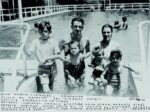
(113, 79)
(75, 71)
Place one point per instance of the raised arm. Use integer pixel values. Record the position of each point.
(131, 69)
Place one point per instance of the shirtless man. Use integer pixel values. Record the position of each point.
(77, 25)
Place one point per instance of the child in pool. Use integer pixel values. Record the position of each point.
(112, 75)
(97, 63)
(74, 65)
(46, 50)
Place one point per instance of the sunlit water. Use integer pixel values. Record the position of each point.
(61, 27)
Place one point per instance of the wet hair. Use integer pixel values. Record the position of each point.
(116, 53)
(107, 26)
(124, 18)
(77, 19)
(74, 42)
(41, 26)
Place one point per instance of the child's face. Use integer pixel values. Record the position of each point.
(74, 49)
(115, 59)
(44, 34)
(100, 54)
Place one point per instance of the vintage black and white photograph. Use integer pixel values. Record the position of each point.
(75, 47)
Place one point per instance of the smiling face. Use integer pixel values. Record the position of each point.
(44, 29)
(74, 48)
(115, 58)
(107, 34)
(77, 27)
(44, 34)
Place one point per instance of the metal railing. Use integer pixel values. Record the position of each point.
(30, 13)
(17, 59)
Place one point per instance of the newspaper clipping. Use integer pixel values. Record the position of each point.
(74, 55)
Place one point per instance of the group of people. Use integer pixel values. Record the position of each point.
(105, 59)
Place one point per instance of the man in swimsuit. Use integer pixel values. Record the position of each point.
(77, 25)
(106, 44)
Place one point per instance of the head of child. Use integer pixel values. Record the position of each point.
(115, 57)
(124, 19)
(99, 54)
(74, 48)
(44, 29)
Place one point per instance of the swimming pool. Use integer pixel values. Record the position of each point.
(61, 27)
(128, 39)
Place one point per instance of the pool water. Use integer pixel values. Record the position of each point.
(128, 39)
(61, 27)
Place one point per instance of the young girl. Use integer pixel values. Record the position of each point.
(74, 65)
(112, 75)
(45, 49)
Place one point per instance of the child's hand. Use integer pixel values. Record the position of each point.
(48, 62)
(104, 81)
(82, 58)
(99, 68)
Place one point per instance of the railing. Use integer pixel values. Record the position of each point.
(14, 70)
(30, 13)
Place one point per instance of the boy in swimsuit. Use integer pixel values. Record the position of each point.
(111, 77)
(74, 65)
